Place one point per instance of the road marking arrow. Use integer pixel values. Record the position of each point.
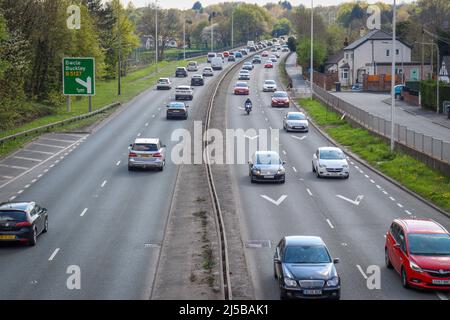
(87, 84)
(299, 138)
(355, 202)
(277, 202)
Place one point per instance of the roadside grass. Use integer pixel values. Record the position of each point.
(283, 74)
(106, 93)
(411, 173)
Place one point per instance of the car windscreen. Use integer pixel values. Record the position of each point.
(241, 85)
(296, 116)
(332, 155)
(280, 95)
(163, 81)
(429, 244)
(269, 82)
(145, 147)
(176, 105)
(306, 254)
(13, 216)
(268, 158)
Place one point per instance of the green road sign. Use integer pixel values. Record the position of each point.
(79, 76)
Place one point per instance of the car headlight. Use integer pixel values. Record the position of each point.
(415, 267)
(333, 282)
(280, 171)
(321, 165)
(257, 172)
(290, 282)
(345, 166)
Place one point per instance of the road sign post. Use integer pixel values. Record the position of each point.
(79, 77)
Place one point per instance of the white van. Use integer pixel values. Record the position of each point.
(216, 63)
(211, 55)
(192, 66)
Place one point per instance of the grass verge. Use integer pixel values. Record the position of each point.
(106, 93)
(411, 173)
(284, 78)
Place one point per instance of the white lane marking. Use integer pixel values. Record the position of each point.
(266, 119)
(284, 152)
(62, 157)
(12, 198)
(366, 176)
(32, 168)
(270, 127)
(52, 165)
(330, 224)
(356, 167)
(6, 177)
(53, 254)
(20, 191)
(46, 170)
(372, 181)
(83, 212)
(361, 270)
(309, 192)
(146, 124)
(103, 184)
(139, 134)
(57, 161)
(275, 202)
(153, 116)
(393, 199)
(13, 167)
(35, 151)
(118, 162)
(293, 168)
(59, 140)
(400, 205)
(299, 138)
(385, 192)
(378, 186)
(48, 145)
(441, 296)
(40, 175)
(408, 212)
(357, 201)
(352, 163)
(27, 186)
(33, 181)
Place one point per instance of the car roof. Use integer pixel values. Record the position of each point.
(163, 78)
(295, 112)
(19, 206)
(303, 240)
(329, 148)
(279, 91)
(421, 225)
(241, 83)
(183, 87)
(197, 76)
(269, 80)
(146, 140)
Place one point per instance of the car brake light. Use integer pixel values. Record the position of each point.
(132, 155)
(23, 224)
(157, 155)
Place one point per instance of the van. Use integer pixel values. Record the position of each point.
(210, 56)
(216, 63)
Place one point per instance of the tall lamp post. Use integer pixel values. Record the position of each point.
(311, 70)
(184, 34)
(394, 13)
(119, 63)
(156, 35)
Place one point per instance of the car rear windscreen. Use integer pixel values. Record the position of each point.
(145, 147)
(12, 216)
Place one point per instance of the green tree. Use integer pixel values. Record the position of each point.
(282, 27)
(304, 53)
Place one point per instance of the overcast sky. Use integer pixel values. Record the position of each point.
(187, 4)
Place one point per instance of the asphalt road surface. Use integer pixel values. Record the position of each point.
(105, 220)
(305, 205)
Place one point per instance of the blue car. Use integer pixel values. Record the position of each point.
(398, 91)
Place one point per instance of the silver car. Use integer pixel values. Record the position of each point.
(295, 121)
(330, 162)
(269, 85)
(147, 153)
(266, 166)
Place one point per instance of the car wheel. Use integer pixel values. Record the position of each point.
(387, 260)
(45, 226)
(283, 293)
(318, 174)
(252, 180)
(347, 176)
(162, 167)
(283, 181)
(33, 238)
(404, 279)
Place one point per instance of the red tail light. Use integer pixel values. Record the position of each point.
(23, 224)
(157, 155)
(132, 155)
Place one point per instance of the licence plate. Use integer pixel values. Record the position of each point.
(268, 177)
(144, 155)
(312, 292)
(5, 237)
(436, 281)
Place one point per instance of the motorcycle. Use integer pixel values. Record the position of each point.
(248, 108)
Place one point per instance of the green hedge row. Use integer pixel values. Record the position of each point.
(428, 94)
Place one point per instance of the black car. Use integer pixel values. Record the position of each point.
(256, 60)
(177, 110)
(22, 222)
(181, 72)
(197, 80)
(305, 269)
(231, 58)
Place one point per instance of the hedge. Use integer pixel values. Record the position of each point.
(428, 94)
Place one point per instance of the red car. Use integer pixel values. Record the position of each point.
(268, 64)
(280, 99)
(419, 250)
(241, 88)
(226, 54)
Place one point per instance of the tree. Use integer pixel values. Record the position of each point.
(285, 5)
(282, 27)
(304, 53)
(197, 6)
(292, 43)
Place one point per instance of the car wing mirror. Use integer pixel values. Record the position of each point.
(336, 260)
(250, 163)
(163, 146)
(276, 259)
(283, 162)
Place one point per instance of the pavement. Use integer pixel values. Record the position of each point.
(305, 205)
(413, 117)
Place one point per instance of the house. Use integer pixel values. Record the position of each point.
(444, 71)
(365, 55)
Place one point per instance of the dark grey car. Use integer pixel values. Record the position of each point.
(304, 269)
(266, 166)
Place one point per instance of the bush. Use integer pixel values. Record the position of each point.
(428, 94)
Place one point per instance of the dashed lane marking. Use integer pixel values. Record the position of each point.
(53, 254)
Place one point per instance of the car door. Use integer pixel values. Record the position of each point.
(315, 159)
(396, 258)
(278, 260)
(403, 254)
(35, 219)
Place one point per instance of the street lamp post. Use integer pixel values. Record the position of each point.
(393, 76)
(184, 35)
(311, 71)
(212, 33)
(156, 35)
(232, 29)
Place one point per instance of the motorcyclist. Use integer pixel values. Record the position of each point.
(248, 102)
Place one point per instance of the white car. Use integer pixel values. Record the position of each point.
(163, 84)
(184, 93)
(269, 85)
(244, 75)
(330, 162)
(208, 72)
(295, 121)
(192, 66)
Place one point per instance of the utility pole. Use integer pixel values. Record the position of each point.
(119, 67)
(393, 75)
(311, 72)
(156, 35)
(232, 29)
(184, 34)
